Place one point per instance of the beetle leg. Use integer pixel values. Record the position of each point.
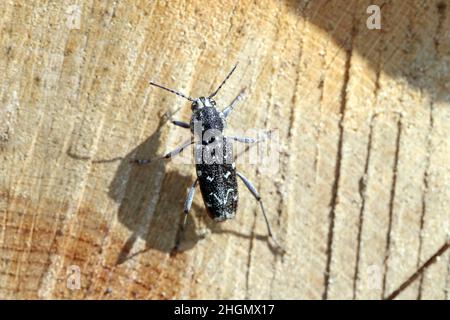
(188, 203)
(233, 104)
(255, 193)
(248, 140)
(181, 124)
(187, 208)
(243, 139)
(168, 155)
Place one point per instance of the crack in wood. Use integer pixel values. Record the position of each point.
(249, 260)
(362, 193)
(419, 271)
(447, 281)
(425, 183)
(441, 10)
(338, 166)
(391, 204)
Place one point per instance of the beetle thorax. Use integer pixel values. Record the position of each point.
(206, 117)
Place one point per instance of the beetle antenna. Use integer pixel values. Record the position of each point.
(223, 82)
(173, 91)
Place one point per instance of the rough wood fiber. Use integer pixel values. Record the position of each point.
(361, 198)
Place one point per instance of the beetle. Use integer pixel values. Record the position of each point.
(214, 160)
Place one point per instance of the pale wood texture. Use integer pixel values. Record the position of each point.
(361, 198)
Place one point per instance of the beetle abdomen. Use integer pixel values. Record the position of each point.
(217, 180)
(219, 190)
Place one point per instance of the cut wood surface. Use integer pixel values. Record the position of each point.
(360, 197)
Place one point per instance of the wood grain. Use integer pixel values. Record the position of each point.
(361, 195)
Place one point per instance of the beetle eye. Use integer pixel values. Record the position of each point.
(194, 105)
(213, 102)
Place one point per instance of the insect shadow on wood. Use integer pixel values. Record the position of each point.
(412, 52)
(151, 201)
(144, 207)
(214, 159)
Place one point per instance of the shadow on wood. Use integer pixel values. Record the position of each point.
(159, 223)
(151, 207)
(144, 207)
(422, 42)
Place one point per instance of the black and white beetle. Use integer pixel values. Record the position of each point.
(216, 175)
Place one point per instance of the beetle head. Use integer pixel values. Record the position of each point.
(203, 102)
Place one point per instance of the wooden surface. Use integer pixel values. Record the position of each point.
(361, 197)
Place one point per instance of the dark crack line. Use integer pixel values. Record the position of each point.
(441, 10)
(364, 180)
(447, 281)
(391, 206)
(291, 126)
(362, 193)
(321, 87)
(338, 166)
(292, 113)
(419, 271)
(249, 258)
(425, 183)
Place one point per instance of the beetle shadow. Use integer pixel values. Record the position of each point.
(151, 203)
(414, 51)
(151, 200)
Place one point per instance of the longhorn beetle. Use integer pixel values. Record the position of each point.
(213, 154)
